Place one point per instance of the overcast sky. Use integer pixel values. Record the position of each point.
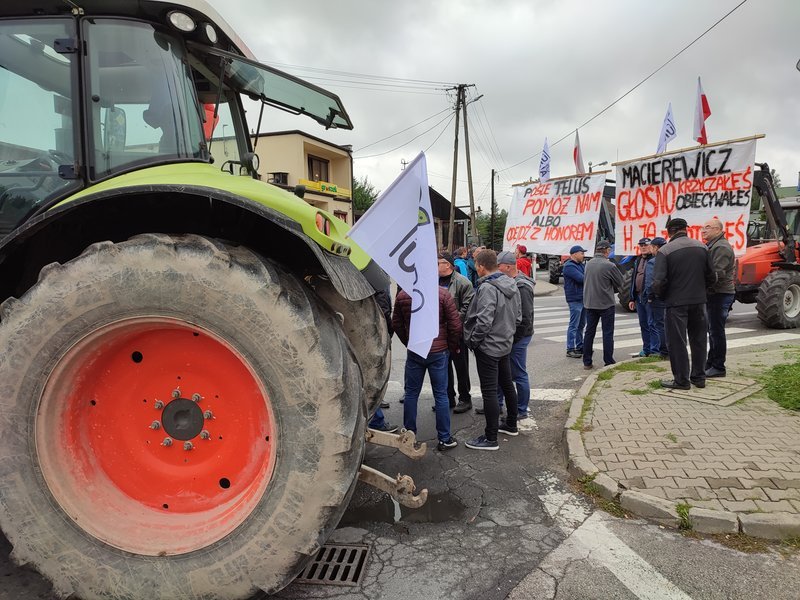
(543, 67)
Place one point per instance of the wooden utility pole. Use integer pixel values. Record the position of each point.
(491, 226)
(459, 100)
(469, 175)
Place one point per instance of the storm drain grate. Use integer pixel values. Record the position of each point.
(336, 564)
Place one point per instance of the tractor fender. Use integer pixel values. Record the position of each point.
(63, 232)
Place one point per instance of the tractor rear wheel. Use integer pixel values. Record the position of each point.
(180, 419)
(778, 300)
(554, 268)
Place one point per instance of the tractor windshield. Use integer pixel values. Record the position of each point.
(36, 117)
(142, 104)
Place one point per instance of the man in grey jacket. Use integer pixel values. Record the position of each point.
(489, 329)
(602, 280)
(720, 295)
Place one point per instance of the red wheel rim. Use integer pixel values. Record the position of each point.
(155, 436)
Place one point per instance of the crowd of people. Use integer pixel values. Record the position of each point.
(485, 307)
(679, 289)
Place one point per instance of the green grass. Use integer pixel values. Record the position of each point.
(682, 508)
(636, 392)
(590, 488)
(643, 364)
(655, 384)
(781, 384)
(587, 404)
(672, 438)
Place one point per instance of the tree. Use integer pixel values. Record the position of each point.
(364, 194)
(776, 179)
(484, 225)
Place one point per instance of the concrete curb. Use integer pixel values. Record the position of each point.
(770, 526)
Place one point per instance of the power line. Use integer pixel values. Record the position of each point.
(441, 132)
(403, 130)
(406, 143)
(676, 55)
(359, 75)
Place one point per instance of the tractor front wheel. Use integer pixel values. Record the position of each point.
(179, 418)
(778, 300)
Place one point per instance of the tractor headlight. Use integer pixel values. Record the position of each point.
(211, 33)
(181, 21)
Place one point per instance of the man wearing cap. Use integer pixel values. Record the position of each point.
(523, 262)
(681, 275)
(462, 292)
(720, 295)
(573, 271)
(636, 298)
(658, 339)
(602, 281)
(507, 264)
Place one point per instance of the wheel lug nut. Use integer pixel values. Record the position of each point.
(196, 397)
(158, 405)
(155, 425)
(208, 415)
(176, 394)
(188, 445)
(204, 435)
(167, 441)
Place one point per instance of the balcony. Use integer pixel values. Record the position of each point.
(325, 187)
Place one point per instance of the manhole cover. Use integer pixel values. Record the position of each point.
(718, 391)
(336, 564)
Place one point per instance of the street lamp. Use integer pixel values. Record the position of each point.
(605, 162)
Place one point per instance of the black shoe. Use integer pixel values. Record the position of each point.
(700, 383)
(507, 430)
(402, 400)
(587, 367)
(385, 404)
(481, 443)
(462, 407)
(713, 372)
(386, 428)
(574, 354)
(451, 443)
(480, 411)
(671, 385)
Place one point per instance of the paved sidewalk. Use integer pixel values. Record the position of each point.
(689, 448)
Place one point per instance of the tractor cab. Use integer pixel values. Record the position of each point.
(110, 89)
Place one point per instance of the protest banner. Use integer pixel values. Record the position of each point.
(696, 184)
(551, 217)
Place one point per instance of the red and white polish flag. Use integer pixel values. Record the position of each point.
(701, 112)
(577, 155)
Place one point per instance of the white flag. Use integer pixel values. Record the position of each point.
(668, 131)
(544, 163)
(577, 155)
(398, 233)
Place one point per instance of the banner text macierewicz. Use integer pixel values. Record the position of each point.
(696, 185)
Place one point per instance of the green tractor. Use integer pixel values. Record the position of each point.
(188, 355)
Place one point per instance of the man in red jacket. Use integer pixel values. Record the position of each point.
(435, 363)
(524, 264)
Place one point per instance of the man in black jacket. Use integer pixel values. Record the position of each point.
(506, 263)
(681, 275)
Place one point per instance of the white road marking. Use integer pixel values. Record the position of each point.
(637, 331)
(764, 339)
(565, 319)
(552, 394)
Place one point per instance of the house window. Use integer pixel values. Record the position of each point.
(317, 168)
(341, 215)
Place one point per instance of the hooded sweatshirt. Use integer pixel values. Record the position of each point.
(493, 316)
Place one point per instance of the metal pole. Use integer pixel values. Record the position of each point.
(450, 228)
(469, 176)
(491, 227)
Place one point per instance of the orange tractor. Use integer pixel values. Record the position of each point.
(769, 274)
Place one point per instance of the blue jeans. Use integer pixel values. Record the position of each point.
(718, 306)
(436, 365)
(658, 337)
(377, 421)
(577, 322)
(593, 317)
(643, 310)
(519, 373)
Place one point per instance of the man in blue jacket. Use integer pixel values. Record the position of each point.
(573, 291)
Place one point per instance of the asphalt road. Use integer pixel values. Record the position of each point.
(508, 523)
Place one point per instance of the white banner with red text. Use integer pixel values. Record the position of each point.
(696, 185)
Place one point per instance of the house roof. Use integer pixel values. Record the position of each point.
(441, 207)
(348, 149)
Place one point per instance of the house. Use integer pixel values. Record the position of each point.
(292, 158)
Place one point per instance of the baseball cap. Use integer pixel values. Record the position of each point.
(677, 224)
(506, 258)
(575, 249)
(447, 257)
(645, 241)
(602, 245)
(658, 241)
(522, 249)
